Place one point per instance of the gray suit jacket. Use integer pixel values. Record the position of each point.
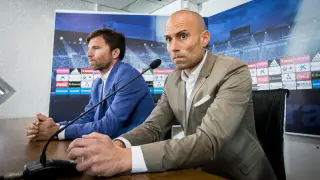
(220, 130)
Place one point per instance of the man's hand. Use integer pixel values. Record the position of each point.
(46, 127)
(100, 156)
(32, 129)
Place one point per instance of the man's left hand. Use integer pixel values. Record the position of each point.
(100, 156)
(47, 127)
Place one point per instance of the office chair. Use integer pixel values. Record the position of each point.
(269, 113)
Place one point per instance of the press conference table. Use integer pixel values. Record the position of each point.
(16, 151)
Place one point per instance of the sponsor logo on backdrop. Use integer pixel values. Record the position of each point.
(86, 84)
(253, 72)
(274, 70)
(74, 78)
(315, 66)
(75, 84)
(62, 90)
(315, 75)
(316, 84)
(301, 59)
(262, 79)
(304, 85)
(290, 68)
(85, 91)
(275, 78)
(262, 64)
(315, 57)
(148, 77)
(262, 86)
(149, 83)
(254, 80)
(289, 77)
(62, 77)
(274, 67)
(62, 84)
(75, 71)
(158, 84)
(87, 77)
(286, 61)
(303, 76)
(87, 71)
(254, 87)
(75, 75)
(276, 85)
(62, 71)
(274, 63)
(157, 90)
(159, 71)
(289, 85)
(74, 91)
(252, 65)
(160, 77)
(262, 72)
(303, 67)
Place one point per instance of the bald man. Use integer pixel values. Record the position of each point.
(210, 96)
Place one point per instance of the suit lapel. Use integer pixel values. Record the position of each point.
(112, 75)
(204, 73)
(109, 82)
(99, 89)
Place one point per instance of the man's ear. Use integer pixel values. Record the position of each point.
(205, 38)
(115, 53)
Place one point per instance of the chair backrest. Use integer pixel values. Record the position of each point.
(269, 113)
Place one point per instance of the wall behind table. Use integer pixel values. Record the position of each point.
(26, 34)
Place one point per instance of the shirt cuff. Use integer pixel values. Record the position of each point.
(61, 135)
(138, 163)
(127, 144)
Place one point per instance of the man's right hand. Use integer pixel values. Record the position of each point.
(115, 142)
(32, 129)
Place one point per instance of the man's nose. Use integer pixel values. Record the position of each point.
(174, 46)
(90, 53)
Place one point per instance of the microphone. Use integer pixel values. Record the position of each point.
(58, 168)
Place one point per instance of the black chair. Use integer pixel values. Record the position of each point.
(269, 111)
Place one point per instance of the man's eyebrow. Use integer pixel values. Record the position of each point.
(178, 33)
(95, 46)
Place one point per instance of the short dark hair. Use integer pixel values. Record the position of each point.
(112, 38)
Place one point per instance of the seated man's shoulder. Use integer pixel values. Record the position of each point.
(228, 60)
(127, 70)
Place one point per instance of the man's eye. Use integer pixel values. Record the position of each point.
(183, 36)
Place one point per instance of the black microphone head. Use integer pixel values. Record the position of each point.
(156, 63)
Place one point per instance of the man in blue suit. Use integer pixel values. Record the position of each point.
(122, 112)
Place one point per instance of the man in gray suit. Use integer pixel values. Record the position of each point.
(210, 96)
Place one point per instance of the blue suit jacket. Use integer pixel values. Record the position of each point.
(122, 112)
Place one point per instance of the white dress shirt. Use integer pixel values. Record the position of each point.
(138, 162)
(61, 135)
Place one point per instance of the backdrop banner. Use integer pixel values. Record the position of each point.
(278, 40)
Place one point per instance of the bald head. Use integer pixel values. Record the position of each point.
(186, 37)
(190, 17)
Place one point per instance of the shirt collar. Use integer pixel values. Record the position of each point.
(105, 77)
(194, 75)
